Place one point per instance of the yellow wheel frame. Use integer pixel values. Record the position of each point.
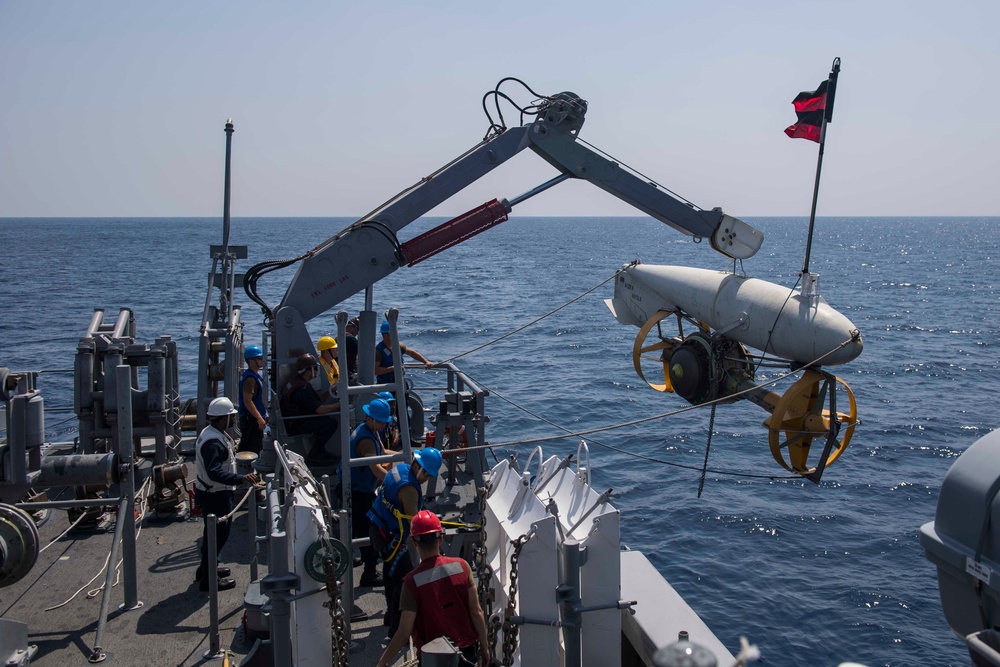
(802, 417)
(638, 350)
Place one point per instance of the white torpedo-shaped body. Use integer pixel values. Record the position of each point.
(757, 313)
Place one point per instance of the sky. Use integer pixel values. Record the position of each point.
(117, 109)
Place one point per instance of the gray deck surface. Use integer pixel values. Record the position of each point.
(172, 625)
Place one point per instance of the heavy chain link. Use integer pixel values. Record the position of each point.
(509, 627)
(484, 576)
(338, 623)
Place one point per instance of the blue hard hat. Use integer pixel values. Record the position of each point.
(378, 410)
(253, 352)
(384, 328)
(429, 459)
(387, 396)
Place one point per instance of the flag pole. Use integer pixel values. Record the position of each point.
(827, 116)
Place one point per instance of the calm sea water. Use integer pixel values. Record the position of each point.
(812, 574)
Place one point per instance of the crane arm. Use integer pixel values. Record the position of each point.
(730, 236)
(369, 250)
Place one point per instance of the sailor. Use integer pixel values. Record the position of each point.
(384, 370)
(396, 502)
(253, 412)
(215, 463)
(439, 599)
(368, 440)
(353, 327)
(392, 436)
(300, 399)
(327, 348)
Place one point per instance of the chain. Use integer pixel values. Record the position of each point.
(509, 627)
(484, 575)
(338, 625)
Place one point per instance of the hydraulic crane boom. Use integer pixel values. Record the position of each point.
(369, 250)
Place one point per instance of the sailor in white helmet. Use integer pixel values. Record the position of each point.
(215, 462)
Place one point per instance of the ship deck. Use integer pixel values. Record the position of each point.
(171, 626)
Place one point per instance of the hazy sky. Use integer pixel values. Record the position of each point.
(114, 108)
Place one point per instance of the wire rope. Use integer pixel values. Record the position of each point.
(532, 322)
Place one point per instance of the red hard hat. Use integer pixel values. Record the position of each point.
(425, 522)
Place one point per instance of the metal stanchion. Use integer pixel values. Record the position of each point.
(252, 518)
(97, 654)
(278, 584)
(347, 592)
(568, 595)
(127, 455)
(214, 647)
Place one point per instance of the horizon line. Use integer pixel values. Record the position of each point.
(447, 217)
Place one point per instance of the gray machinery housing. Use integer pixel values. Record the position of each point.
(220, 342)
(156, 410)
(963, 541)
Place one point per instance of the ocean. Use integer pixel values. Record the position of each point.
(813, 574)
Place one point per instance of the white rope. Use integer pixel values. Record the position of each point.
(253, 487)
(63, 534)
(91, 594)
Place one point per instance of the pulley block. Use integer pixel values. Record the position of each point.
(806, 411)
(319, 550)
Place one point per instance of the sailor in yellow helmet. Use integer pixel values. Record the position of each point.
(327, 348)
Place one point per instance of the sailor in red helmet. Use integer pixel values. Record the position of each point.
(439, 599)
(397, 501)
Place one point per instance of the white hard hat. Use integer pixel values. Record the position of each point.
(221, 407)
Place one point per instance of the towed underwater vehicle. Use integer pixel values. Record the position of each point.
(725, 314)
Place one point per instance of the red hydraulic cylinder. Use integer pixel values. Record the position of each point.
(455, 231)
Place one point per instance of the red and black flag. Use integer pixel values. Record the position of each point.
(810, 107)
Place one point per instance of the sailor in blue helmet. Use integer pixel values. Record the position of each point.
(391, 436)
(367, 440)
(396, 502)
(384, 371)
(253, 412)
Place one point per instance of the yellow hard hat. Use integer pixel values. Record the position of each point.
(326, 343)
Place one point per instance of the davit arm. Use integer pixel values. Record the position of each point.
(369, 250)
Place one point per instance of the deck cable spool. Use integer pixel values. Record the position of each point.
(19, 544)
